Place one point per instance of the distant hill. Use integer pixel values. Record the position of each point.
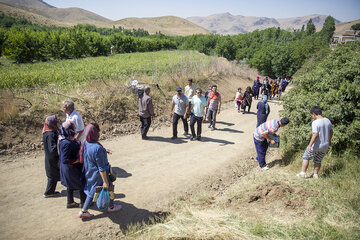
(39, 12)
(169, 25)
(229, 24)
(58, 16)
(342, 27)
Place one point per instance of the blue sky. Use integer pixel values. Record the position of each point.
(343, 10)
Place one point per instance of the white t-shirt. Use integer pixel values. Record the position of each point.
(78, 122)
(322, 127)
(189, 91)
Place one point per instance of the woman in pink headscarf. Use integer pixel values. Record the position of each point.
(50, 139)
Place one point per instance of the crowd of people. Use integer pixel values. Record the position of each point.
(75, 157)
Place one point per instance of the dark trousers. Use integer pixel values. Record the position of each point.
(176, 118)
(261, 148)
(70, 196)
(194, 120)
(50, 187)
(212, 117)
(145, 125)
(261, 119)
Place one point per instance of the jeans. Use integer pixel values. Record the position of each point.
(194, 119)
(145, 125)
(261, 148)
(212, 117)
(176, 118)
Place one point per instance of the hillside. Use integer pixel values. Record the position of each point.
(57, 16)
(229, 24)
(40, 12)
(342, 27)
(168, 25)
(31, 16)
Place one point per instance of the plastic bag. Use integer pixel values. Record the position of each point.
(103, 200)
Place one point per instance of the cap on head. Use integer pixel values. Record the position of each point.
(178, 89)
(258, 77)
(190, 79)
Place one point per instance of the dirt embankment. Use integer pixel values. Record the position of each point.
(111, 105)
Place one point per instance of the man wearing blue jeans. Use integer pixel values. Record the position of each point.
(261, 138)
(319, 143)
(198, 114)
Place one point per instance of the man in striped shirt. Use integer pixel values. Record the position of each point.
(261, 138)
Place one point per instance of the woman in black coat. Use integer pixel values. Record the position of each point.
(247, 99)
(72, 175)
(50, 139)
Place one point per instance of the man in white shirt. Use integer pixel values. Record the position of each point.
(74, 116)
(189, 91)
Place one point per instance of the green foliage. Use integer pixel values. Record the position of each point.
(355, 26)
(333, 84)
(310, 28)
(78, 71)
(328, 29)
(3, 38)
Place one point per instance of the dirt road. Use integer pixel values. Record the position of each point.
(150, 173)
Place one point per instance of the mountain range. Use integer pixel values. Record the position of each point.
(39, 12)
(226, 23)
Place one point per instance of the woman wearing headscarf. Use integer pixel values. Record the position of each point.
(263, 111)
(247, 99)
(97, 169)
(50, 139)
(71, 170)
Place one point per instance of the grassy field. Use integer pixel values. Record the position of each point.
(268, 205)
(118, 67)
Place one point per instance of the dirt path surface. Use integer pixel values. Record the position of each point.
(150, 174)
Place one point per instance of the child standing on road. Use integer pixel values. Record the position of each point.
(319, 143)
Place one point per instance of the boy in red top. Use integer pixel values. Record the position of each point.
(213, 106)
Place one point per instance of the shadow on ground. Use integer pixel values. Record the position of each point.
(129, 216)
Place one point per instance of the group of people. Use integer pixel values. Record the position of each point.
(74, 156)
(270, 88)
(265, 132)
(184, 105)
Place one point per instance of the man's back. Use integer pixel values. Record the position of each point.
(322, 127)
(145, 106)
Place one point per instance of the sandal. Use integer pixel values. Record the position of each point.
(72, 205)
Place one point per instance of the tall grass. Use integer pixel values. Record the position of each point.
(117, 67)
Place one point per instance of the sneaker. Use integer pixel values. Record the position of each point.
(301, 174)
(173, 137)
(144, 138)
(212, 129)
(86, 214)
(192, 138)
(199, 139)
(314, 175)
(185, 133)
(265, 168)
(209, 126)
(51, 195)
(116, 208)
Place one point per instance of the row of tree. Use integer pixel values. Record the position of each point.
(274, 52)
(25, 45)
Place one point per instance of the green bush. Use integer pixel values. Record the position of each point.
(333, 84)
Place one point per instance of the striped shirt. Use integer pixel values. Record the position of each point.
(269, 127)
